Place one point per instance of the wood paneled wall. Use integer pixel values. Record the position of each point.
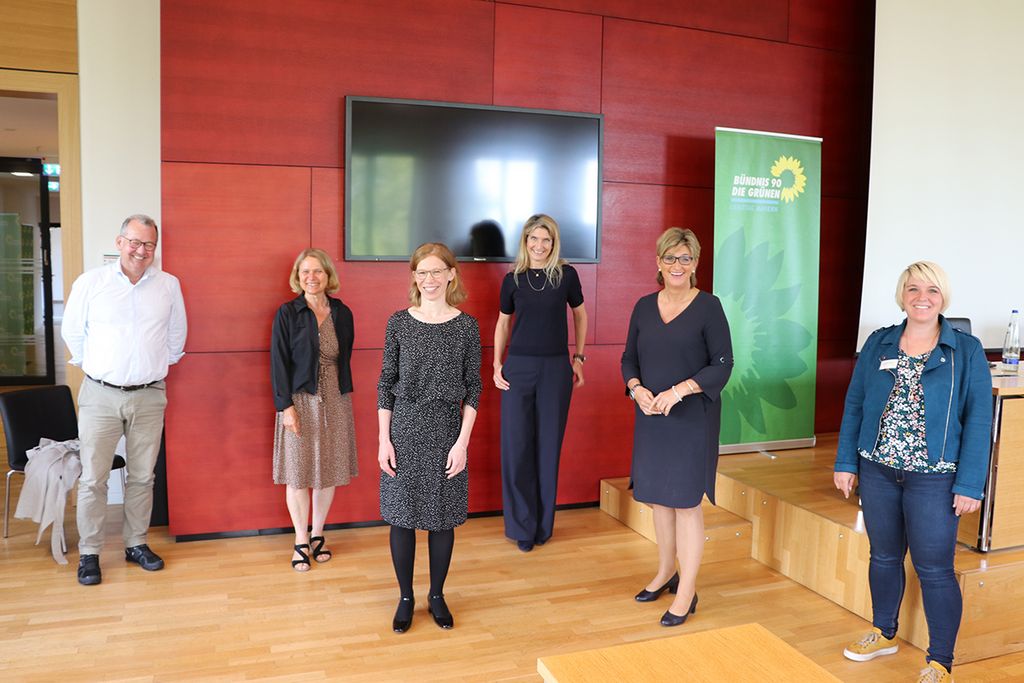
(39, 35)
(252, 121)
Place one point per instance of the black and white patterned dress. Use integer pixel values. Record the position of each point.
(430, 371)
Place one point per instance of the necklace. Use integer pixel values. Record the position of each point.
(908, 344)
(542, 286)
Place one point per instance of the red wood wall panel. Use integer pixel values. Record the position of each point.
(232, 235)
(219, 438)
(765, 19)
(327, 212)
(844, 25)
(843, 223)
(599, 434)
(252, 129)
(660, 121)
(634, 216)
(264, 81)
(219, 461)
(535, 66)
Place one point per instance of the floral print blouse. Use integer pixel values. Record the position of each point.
(901, 439)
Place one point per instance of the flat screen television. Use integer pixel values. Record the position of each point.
(468, 176)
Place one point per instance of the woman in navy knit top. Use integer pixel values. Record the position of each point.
(536, 381)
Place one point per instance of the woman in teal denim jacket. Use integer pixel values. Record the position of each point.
(916, 430)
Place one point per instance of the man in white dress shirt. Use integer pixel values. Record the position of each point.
(124, 324)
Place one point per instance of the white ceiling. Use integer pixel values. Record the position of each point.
(28, 127)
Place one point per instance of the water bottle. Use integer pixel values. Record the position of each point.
(1011, 345)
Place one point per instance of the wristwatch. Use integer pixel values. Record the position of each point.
(580, 357)
(631, 390)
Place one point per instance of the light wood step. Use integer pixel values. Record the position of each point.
(727, 536)
(804, 529)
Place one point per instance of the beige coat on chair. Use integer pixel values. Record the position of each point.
(52, 471)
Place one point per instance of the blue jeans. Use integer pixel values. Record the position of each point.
(912, 509)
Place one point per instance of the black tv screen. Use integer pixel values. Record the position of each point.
(468, 176)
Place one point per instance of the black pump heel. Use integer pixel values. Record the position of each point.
(650, 596)
(669, 619)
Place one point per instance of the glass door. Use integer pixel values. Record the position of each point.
(26, 295)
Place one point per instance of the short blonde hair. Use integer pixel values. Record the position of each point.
(455, 293)
(932, 273)
(675, 237)
(320, 255)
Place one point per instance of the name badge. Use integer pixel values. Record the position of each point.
(889, 364)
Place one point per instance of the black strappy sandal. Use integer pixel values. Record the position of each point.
(318, 549)
(304, 559)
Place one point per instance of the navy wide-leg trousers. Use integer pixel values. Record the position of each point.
(533, 415)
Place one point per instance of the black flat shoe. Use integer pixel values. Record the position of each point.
(669, 619)
(144, 557)
(403, 615)
(438, 609)
(525, 546)
(89, 570)
(650, 596)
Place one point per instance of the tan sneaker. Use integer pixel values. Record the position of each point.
(872, 644)
(935, 673)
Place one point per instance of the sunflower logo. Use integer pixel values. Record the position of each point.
(792, 166)
(769, 373)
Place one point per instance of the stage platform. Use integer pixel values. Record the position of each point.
(802, 527)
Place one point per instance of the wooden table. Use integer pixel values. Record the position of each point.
(738, 653)
(1000, 521)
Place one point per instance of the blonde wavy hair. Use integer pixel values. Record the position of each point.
(553, 266)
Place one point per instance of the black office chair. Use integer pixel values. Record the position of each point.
(32, 414)
(962, 324)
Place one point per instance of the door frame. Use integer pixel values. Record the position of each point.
(35, 167)
(65, 88)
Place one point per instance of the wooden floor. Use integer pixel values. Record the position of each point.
(233, 610)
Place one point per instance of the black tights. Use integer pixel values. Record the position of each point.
(403, 554)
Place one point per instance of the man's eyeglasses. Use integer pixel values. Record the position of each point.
(135, 244)
(669, 259)
(436, 273)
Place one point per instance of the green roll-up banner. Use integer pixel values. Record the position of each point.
(767, 218)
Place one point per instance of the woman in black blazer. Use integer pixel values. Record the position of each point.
(314, 437)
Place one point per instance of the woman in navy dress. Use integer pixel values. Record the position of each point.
(536, 379)
(677, 360)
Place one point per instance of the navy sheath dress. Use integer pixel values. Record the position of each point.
(675, 456)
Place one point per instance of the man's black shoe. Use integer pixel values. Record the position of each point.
(89, 570)
(144, 557)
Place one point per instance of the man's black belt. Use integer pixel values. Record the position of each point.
(134, 387)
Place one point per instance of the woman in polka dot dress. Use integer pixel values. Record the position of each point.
(427, 398)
